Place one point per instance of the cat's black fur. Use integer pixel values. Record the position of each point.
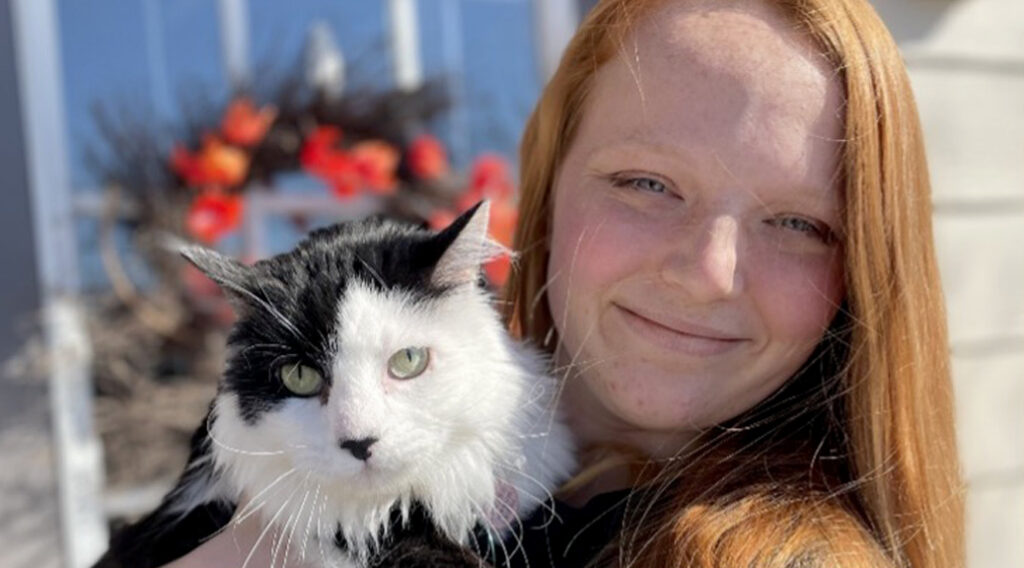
(154, 541)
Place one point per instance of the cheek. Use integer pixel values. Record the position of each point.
(595, 245)
(798, 298)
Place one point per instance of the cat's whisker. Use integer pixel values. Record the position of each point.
(565, 316)
(320, 531)
(501, 543)
(309, 523)
(568, 285)
(583, 366)
(542, 503)
(514, 529)
(261, 348)
(583, 529)
(572, 269)
(278, 316)
(560, 389)
(227, 447)
(255, 506)
(268, 347)
(540, 291)
(287, 535)
(275, 541)
(245, 513)
(270, 524)
(373, 272)
(294, 521)
(538, 393)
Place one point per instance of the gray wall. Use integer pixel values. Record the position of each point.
(585, 6)
(19, 298)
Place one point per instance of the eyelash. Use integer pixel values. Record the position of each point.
(628, 181)
(809, 228)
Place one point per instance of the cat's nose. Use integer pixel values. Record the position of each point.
(359, 448)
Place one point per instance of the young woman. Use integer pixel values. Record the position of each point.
(725, 242)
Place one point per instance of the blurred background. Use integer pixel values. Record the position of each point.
(244, 123)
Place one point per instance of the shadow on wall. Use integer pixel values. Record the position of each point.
(912, 20)
(585, 6)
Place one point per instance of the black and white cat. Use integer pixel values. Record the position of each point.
(372, 401)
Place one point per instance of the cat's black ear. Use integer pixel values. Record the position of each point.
(232, 276)
(466, 247)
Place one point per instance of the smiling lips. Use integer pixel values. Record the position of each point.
(678, 336)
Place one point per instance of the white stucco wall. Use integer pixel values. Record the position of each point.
(966, 61)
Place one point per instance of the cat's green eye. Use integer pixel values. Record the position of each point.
(301, 379)
(408, 363)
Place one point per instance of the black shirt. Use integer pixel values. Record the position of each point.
(562, 536)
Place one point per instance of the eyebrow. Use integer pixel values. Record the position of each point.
(636, 144)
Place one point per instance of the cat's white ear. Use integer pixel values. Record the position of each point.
(469, 248)
(228, 273)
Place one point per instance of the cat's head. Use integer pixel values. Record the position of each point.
(365, 361)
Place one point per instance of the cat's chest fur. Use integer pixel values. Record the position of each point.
(373, 409)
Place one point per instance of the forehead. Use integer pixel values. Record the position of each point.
(731, 88)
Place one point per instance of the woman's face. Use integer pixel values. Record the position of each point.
(695, 261)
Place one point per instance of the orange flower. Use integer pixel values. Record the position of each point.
(321, 157)
(243, 125)
(213, 214)
(376, 162)
(370, 164)
(227, 165)
(343, 175)
(318, 150)
(188, 166)
(488, 179)
(215, 164)
(504, 216)
(427, 158)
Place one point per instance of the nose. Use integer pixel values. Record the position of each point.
(706, 266)
(359, 448)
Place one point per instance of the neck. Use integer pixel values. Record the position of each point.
(616, 445)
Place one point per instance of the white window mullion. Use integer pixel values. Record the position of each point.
(78, 452)
(556, 21)
(405, 44)
(234, 38)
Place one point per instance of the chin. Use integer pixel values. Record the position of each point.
(647, 399)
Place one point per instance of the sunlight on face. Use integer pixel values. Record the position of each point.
(695, 260)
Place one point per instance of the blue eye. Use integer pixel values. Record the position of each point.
(640, 183)
(804, 226)
(648, 184)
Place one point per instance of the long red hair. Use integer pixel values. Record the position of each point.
(854, 460)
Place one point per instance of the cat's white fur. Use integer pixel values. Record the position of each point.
(480, 419)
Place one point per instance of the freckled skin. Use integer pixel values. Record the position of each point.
(730, 121)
